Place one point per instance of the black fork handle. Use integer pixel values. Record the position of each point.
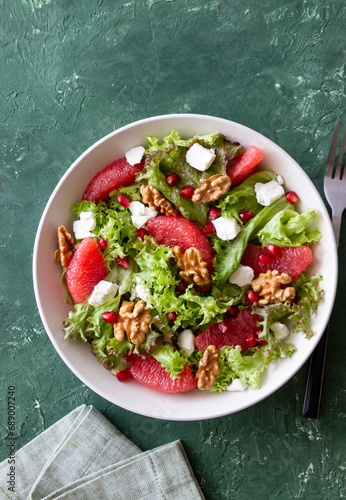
(313, 392)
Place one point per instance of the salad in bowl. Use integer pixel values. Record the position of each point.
(188, 265)
(195, 281)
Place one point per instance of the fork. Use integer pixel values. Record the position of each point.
(335, 191)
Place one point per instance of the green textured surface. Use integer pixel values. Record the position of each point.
(71, 72)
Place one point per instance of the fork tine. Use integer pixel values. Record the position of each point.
(331, 156)
(341, 155)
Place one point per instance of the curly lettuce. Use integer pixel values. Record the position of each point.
(113, 224)
(235, 365)
(289, 229)
(160, 276)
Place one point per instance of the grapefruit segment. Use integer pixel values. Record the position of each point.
(149, 372)
(244, 165)
(290, 260)
(118, 174)
(178, 231)
(86, 268)
(231, 331)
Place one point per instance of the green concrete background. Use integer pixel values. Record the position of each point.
(70, 73)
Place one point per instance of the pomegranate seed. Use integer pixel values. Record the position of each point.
(110, 317)
(246, 216)
(231, 311)
(214, 213)
(123, 375)
(292, 197)
(172, 179)
(224, 327)
(101, 243)
(125, 202)
(141, 232)
(251, 339)
(172, 316)
(273, 249)
(124, 263)
(264, 259)
(187, 192)
(209, 228)
(251, 297)
(181, 287)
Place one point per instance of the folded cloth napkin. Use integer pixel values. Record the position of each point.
(83, 456)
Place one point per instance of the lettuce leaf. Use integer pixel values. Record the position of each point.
(170, 157)
(114, 224)
(170, 359)
(289, 228)
(309, 295)
(274, 348)
(228, 255)
(76, 321)
(132, 192)
(160, 276)
(234, 364)
(243, 197)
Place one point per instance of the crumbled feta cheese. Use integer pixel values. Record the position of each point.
(226, 229)
(237, 385)
(280, 180)
(242, 276)
(135, 155)
(82, 228)
(267, 193)
(140, 213)
(186, 341)
(199, 157)
(140, 291)
(280, 330)
(103, 291)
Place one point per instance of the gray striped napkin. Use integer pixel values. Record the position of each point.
(84, 456)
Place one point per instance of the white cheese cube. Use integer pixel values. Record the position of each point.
(237, 385)
(140, 291)
(280, 330)
(199, 157)
(82, 228)
(140, 213)
(280, 180)
(267, 193)
(135, 155)
(242, 276)
(186, 341)
(226, 229)
(103, 291)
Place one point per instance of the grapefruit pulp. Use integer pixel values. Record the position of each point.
(231, 331)
(290, 260)
(86, 268)
(118, 174)
(244, 165)
(149, 372)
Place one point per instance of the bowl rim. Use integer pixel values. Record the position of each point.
(244, 129)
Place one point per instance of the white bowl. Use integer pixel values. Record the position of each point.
(132, 396)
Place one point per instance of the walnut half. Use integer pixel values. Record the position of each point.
(134, 320)
(269, 287)
(152, 197)
(208, 368)
(211, 188)
(193, 269)
(63, 254)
